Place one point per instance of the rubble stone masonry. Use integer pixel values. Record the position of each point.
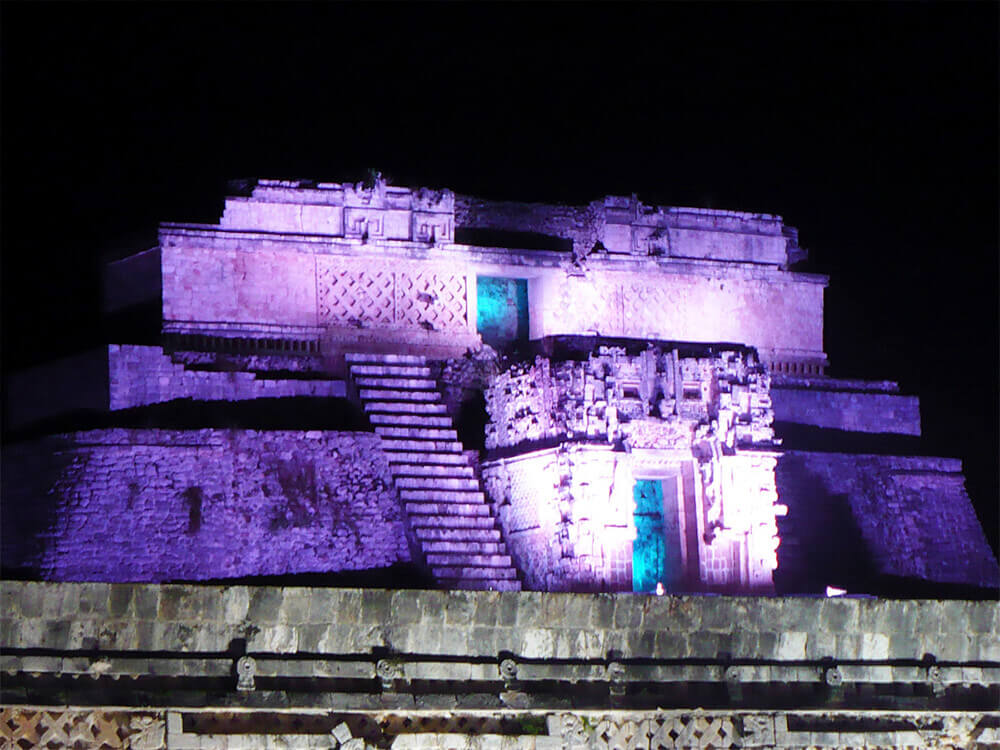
(155, 505)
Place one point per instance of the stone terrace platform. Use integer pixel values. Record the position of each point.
(227, 667)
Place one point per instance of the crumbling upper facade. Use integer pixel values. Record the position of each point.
(635, 361)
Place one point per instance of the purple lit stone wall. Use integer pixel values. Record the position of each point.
(852, 517)
(844, 410)
(157, 505)
(140, 375)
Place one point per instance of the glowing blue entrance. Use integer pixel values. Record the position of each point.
(502, 304)
(656, 555)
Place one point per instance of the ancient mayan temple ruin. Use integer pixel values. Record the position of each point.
(549, 436)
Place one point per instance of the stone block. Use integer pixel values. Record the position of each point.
(94, 599)
(120, 599)
(982, 616)
(145, 602)
(234, 604)
(277, 639)
(602, 611)
(848, 647)
(170, 601)
(295, 606)
(537, 643)
(628, 614)
(507, 609)
(375, 607)
(405, 608)
(347, 607)
(455, 641)
(55, 634)
(792, 646)
(820, 645)
(265, 605)
(459, 608)
(723, 615)
(671, 645)
(529, 609)
(905, 647)
(30, 599)
(838, 615)
(60, 601)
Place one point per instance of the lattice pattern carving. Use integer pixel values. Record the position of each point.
(428, 300)
(347, 296)
(650, 734)
(27, 728)
(432, 299)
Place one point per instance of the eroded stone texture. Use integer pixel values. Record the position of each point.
(154, 505)
(903, 517)
(656, 399)
(140, 375)
(688, 424)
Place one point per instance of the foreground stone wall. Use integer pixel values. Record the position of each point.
(140, 375)
(351, 668)
(531, 625)
(154, 505)
(853, 517)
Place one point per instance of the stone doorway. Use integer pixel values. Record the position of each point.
(502, 310)
(656, 552)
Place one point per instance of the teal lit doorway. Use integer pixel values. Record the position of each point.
(502, 310)
(656, 552)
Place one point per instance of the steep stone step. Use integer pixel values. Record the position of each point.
(435, 477)
(473, 572)
(479, 585)
(450, 522)
(455, 559)
(388, 359)
(464, 547)
(428, 459)
(442, 496)
(416, 420)
(408, 371)
(406, 407)
(402, 446)
(435, 535)
(451, 510)
(430, 470)
(416, 433)
(421, 384)
(388, 394)
(434, 483)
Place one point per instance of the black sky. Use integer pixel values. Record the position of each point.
(872, 128)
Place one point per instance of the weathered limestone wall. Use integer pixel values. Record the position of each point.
(374, 211)
(625, 225)
(782, 318)
(230, 284)
(844, 410)
(531, 625)
(297, 259)
(154, 505)
(851, 517)
(140, 375)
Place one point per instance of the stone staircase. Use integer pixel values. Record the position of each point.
(441, 493)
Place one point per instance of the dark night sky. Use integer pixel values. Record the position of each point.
(872, 128)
